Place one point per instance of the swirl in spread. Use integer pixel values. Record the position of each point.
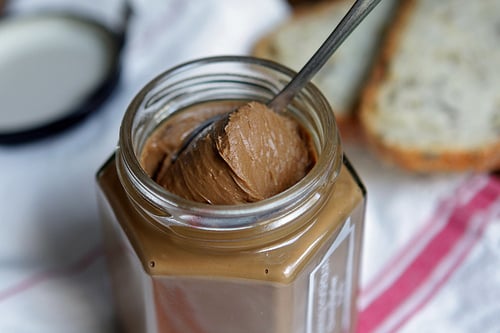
(250, 155)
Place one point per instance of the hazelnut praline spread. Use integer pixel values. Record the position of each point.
(250, 155)
(287, 264)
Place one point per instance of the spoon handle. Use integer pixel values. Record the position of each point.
(354, 16)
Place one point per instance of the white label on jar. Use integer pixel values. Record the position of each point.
(330, 286)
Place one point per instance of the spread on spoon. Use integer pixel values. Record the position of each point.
(250, 155)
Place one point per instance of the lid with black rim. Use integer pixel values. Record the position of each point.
(55, 69)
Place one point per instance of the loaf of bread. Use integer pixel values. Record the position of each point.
(432, 102)
(295, 40)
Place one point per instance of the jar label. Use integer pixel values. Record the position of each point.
(330, 286)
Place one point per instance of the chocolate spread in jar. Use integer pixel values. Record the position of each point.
(288, 264)
(250, 155)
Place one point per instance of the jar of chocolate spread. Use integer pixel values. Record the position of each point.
(288, 263)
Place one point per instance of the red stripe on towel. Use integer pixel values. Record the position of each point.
(436, 261)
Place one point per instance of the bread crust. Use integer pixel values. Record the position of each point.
(486, 158)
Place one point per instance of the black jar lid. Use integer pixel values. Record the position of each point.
(55, 69)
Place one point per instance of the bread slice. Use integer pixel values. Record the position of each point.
(432, 102)
(294, 41)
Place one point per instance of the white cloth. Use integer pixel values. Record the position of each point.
(52, 271)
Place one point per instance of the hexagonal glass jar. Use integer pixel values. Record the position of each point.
(286, 264)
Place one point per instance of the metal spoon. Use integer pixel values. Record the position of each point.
(349, 22)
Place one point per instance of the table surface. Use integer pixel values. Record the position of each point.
(432, 242)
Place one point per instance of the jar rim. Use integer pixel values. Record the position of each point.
(159, 197)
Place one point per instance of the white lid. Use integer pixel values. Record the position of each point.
(50, 65)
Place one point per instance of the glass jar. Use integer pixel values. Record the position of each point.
(286, 264)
